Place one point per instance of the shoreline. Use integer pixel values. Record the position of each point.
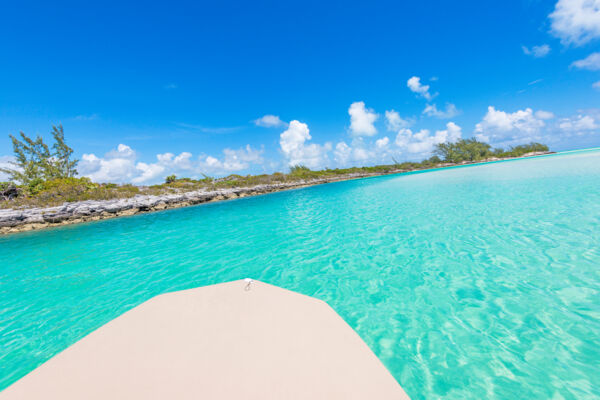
(36, 218)
(29, 219)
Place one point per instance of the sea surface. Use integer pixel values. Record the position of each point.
(468, 283)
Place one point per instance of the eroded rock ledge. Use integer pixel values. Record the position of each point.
(27, 219)
(19, 220)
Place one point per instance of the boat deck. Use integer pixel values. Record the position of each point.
(227, 341)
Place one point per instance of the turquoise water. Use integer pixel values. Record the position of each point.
(468, 283)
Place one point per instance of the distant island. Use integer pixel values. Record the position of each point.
(45, 190)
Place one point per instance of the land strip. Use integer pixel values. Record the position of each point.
(27, 219)
(22, 219)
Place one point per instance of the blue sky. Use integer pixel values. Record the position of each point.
(145, 90)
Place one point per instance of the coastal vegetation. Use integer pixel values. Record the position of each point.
(473, 150)
(43, 175)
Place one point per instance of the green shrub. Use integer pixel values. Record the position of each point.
(34, 186)
(42, 192)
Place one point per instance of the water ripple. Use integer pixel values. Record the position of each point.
(468, 283)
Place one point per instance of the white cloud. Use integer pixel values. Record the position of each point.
(117, 165)
(578, 124)
(237, 160)
(118, 170)
(362, 119)
(403, 137)
(591, 62)
(269, 121)
(502, 127)
(342, 154)
(357, 154)
(541, 114)
(537, 51)
(414, 84)
(431, 110)
(122, 151)
(382, 143)
(420, 142)
(423, 142)
(395, 121)
(576, 22)
(360, 153)
(120, 165)
(180, 162)
(147, 172)
(233, 161)
(297, 152)
(596, 85)
(452, 133)
(5, 162)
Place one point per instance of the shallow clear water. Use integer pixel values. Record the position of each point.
(473, 282)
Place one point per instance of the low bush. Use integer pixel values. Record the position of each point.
(39, 192)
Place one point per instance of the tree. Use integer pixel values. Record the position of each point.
(35, 163)
(434, 160)
(31, 160)
(170, 179)
(473, 150)
(463, 150)
(298, 169)
(61, 158)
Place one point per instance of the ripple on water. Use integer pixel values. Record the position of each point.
(477, 282)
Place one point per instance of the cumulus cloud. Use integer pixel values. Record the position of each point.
(382, 143)
(121, 166)
(596, 85)
(541, 114)
(591, 62)
(576, 22)
(237, 160)
(414, 84)
(5, 162)
(570, 129)
(233, 161)
(359, 152)
(431, 110)
(520, 126)
(423, 142)
(362, 119)
(122, 151)
(269, 121)
(394, 121)
(578, 124)
(537, 51)
(501, 128)
(297, 151)
(170, 160)
(362, 152)
(342, 154)
(147, 172)
(117, 165)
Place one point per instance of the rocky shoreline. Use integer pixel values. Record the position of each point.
(27, 219)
